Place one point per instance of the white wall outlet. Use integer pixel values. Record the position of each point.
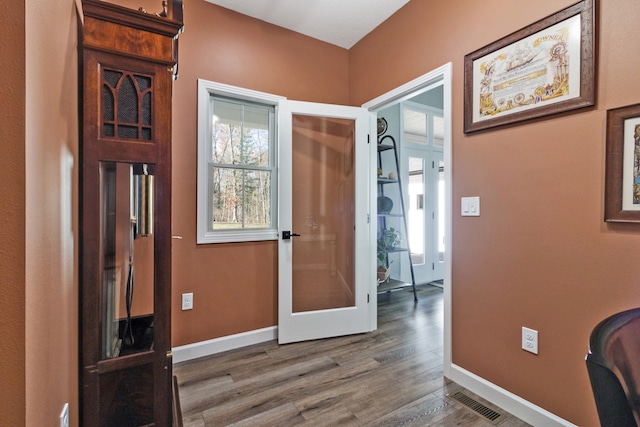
(530, 340)
(64, 416)
(470, 206)
(187, 301)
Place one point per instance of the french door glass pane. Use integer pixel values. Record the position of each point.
(441, 211)
(323, 213)
(415, 215)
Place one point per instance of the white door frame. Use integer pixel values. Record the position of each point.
(441, 75)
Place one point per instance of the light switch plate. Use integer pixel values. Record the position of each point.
(470, 206)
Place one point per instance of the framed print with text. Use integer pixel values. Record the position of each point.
(545, 68)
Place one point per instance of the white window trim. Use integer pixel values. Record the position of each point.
(203, 236)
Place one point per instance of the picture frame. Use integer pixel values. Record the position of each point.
(543, 69)
(622, 179)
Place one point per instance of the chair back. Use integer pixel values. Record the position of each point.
(613, 363)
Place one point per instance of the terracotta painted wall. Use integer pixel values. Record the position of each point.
(234, 285)
(12, 212)
(540, 254)
(541, 186)
(51, 233)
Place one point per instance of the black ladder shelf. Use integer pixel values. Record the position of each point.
(389, 146)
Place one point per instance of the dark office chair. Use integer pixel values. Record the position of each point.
(613, 364)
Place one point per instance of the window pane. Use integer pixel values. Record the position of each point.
(225, 208)
(438, 131)
(256, 136)
(240, 134)
(323, 206)
(240, 199)
(226, 132)
(415, 126)
(257, 199)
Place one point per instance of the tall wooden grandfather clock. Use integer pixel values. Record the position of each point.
(128, 63)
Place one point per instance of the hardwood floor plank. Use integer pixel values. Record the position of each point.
(389, 377)
(426, 411)
(281, 416)
(338, 416)
(306, 385)
(222, 364)
(395, 392)
(323, 398)
(249, 397)
(198, 394)
(193, 420)
(384, 389)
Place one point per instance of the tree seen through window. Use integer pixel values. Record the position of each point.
(240, 165)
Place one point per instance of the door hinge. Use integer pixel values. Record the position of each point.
(368, 295)
(369, 139)
(368, 218)
(433, 265)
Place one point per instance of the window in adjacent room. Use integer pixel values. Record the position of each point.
(236, 164)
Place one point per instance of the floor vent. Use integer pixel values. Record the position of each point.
(488, 414)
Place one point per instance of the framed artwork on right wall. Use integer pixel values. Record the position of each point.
(545, 68)
(622, 182)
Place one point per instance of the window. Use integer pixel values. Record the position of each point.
(237, 170)
(423, 124)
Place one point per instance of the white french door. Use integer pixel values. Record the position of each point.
(325, 252)
(424, 198)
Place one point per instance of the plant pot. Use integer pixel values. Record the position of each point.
(383, 274)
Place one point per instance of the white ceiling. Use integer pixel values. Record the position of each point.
(339, 22)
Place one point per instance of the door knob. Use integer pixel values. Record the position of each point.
(287, 235)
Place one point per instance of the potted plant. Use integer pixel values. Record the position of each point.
(388, 239)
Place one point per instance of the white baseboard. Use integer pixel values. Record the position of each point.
(506, 400)
(218, 345)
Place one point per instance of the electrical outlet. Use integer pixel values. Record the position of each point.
(187, 301)
(530, 340)
(64, 416)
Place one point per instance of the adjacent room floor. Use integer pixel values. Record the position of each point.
(389, 377)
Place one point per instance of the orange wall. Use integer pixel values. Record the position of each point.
(51, 233)
(234, 285)
(12, 211)
(553, 264)
(541, 186)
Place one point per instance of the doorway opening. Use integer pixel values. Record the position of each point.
(418, 124)
(431, 88)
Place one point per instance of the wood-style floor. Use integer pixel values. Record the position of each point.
(389, 377)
